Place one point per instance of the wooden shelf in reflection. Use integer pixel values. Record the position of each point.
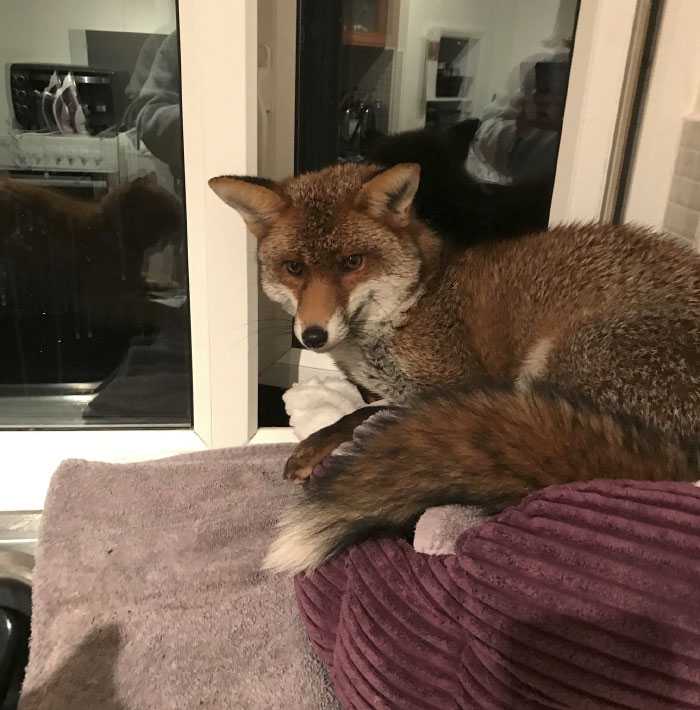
(374, 37)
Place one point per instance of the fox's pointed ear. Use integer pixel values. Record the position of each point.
(255, 199)
(391, 192)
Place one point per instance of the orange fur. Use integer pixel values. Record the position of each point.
(594, 329)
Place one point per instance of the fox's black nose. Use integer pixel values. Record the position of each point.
(314, 337)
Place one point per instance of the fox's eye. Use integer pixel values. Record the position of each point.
(353, 262)
(295, 268)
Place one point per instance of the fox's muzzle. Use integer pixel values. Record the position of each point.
(320, 321)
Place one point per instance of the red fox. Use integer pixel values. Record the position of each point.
(567, 355)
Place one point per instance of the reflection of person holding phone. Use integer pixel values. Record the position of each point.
(154, 115)
(518, 139)
(543, 108)
(157, 107)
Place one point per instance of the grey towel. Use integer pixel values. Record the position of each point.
(147, 593)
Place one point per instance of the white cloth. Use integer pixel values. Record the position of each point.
(317, 403)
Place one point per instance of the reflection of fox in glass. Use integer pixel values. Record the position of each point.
(590, 336)
(99, 244)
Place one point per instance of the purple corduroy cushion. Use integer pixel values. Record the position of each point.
(584, 596)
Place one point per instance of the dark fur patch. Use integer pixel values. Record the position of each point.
(260, 181)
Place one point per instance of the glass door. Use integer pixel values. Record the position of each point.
(482, 83)
(94, 307)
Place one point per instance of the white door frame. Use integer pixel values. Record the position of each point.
(219, 57)
(219, 78)
(672, 99)
(599, 72)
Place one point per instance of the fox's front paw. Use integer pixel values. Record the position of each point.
(310, 453)
(306, 457)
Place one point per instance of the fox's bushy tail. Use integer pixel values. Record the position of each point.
(485, 447)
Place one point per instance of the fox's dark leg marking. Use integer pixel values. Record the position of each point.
(311, 452)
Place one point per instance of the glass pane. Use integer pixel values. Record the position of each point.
(473, 90)
(483, 81)
(94, 316)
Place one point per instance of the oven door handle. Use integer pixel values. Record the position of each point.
(61, 182)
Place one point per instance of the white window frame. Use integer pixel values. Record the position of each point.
(219, 78)
(218, 60)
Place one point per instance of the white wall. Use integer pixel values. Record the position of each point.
(38, 30)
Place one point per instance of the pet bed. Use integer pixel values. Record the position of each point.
(584, 596)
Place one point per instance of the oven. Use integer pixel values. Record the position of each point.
(41, 271)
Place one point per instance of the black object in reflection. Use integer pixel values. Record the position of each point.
(464, 211)
(15, 612)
